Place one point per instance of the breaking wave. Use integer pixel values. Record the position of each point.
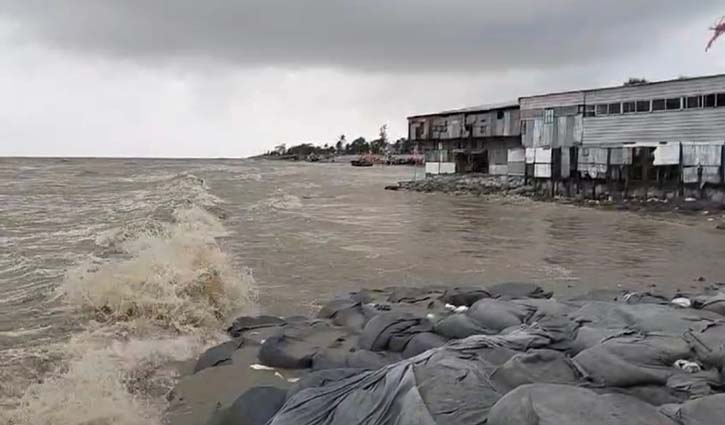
(161, 292)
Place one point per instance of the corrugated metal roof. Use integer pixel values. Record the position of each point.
(480, 108)
(621, 86)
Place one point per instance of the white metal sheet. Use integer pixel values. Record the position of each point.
(543, 155)
(542, 170)
(701, 155)
(709, 174)
(517, 155)
(668, 154)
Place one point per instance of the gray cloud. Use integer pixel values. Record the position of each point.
(369, 35)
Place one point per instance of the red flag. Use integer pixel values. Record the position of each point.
(719, 29)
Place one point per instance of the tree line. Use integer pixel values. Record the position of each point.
(358, 146)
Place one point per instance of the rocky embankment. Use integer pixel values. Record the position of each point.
(507, 354)
(468, 183)
(479, 185)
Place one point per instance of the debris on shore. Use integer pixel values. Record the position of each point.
(503, 354)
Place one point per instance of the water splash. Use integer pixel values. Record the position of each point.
(161, 296)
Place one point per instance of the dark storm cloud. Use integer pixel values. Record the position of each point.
(384, 35)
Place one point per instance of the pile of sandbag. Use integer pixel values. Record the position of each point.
(504, 354)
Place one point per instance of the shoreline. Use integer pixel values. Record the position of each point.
(512, 187)
(478, 345)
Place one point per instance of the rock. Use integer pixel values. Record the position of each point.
(255, 407)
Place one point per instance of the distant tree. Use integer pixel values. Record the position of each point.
(633, 81)
(359, 146)
(340, 145)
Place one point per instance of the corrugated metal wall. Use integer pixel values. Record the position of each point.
(662, 90)
(690, 125)
(552, 100)
(484, 124)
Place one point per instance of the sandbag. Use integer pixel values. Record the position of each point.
(320, 378)
(446, 385)
(633, 360)
(413, 294)
(498, 315)
(641, 317)
(392, 331)
(423, 342)
(514, 290)
(356, 359)
(708, 343)
(218, 355)
(702, 411)
(714, 303)
(255, 407)
(694, 385)
(464, 296)
(535, 366)
(246, 323)
(348, 313)
(296, 343)
(459, 326)
(552, 404)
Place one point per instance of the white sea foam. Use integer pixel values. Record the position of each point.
(162, 297)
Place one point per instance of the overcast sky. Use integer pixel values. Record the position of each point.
(225, 78)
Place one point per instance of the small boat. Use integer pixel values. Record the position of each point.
(361, 163)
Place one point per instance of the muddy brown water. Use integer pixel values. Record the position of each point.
(304, 231)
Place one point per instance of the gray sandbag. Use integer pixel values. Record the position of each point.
(514, 290)
(708, 343)
(423, 342)
(644, 298)
(255, 407)
(392, 331)
(459, 326)
(246, 323)
(297, 342)
(694, 385)
(498, 315)
(218, 355)
(714, 303)
(656, 395)
(466, 296)
(708, 410)
(446, 385)
(535, 366)
(553, 404)
(641, 317)
(414, 294)
(604, 295)
(633, 360)
(356, 359)
(321, 378)
(588, 337)
(348, 313)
